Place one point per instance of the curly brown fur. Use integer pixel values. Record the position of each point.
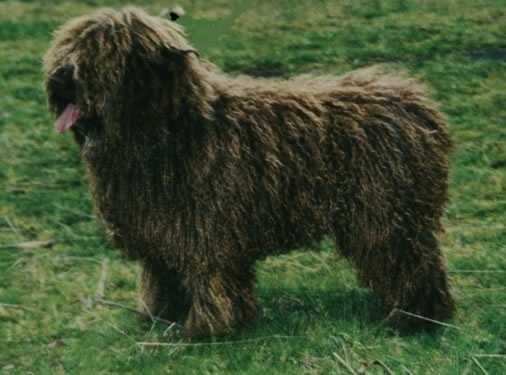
(199, 174)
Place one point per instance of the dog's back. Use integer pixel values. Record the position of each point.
(323, 155)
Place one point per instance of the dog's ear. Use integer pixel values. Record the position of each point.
(156, 39)
(160, 77)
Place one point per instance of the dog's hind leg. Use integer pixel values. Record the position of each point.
(162, 291)
(221, 300)
(408, 273)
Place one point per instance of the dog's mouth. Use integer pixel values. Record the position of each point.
(63, 93)
(68, 118)
(86, 129)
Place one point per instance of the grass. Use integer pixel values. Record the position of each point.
(316, 319)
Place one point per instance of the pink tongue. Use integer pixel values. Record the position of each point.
(67, 119)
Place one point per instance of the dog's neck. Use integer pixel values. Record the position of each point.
(196, 90)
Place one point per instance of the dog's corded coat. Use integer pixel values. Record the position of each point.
(198, 174)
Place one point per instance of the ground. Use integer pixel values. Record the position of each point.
(55, 260)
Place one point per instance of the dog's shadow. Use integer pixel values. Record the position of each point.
(296, 311)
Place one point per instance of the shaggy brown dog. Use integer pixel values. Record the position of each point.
(198, 174)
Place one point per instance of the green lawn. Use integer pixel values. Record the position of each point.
(316, 319)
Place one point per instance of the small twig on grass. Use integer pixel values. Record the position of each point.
(28, 245)
(16, 307)
(427, 319)
(217, 343)
(383, 366)
(477, 363)
(120, 331)
(489, 355)
(100, 292)
(77, 258)
(344, 364)
(104, 302)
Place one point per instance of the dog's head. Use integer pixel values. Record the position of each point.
(104, 68)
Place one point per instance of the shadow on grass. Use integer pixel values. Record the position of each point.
(292, 311)
(299, 313)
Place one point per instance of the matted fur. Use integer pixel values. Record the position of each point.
(198, 174)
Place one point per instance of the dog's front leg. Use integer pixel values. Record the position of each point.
(162, 291)
(221, 299)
